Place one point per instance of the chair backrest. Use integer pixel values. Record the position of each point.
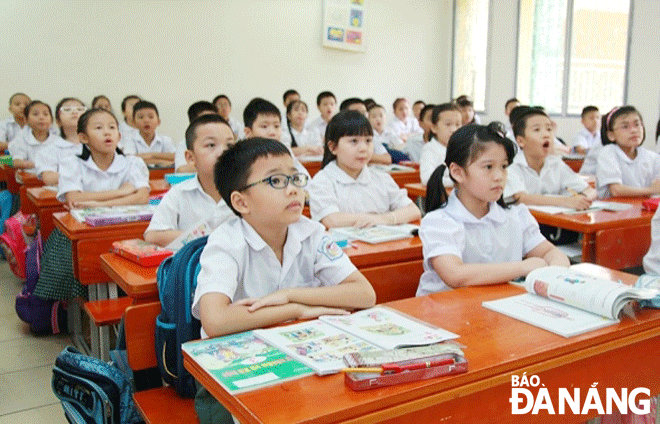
(140, 328)
(395, 281)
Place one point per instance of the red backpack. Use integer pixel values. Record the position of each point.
(13, 245)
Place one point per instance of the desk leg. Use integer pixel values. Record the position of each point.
(588, 247)
(74, 316)
(100, 336)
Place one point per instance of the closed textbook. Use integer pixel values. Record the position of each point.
(141, 252)
(113, 214)
(568, 302)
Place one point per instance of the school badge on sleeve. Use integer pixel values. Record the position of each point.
(330, 249)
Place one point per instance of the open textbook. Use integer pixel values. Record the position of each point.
(568, 302)
(321, 344)
(376, 234)
(107, 215)
(596, 205)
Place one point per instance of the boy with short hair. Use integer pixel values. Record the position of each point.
(327, 103)
(589, 136)
(263, 119)
(290, 96)
(268, 264)
(151, 147)
(195, 110)
(223, 106)
(353, 103)
(195, 200)
(11, 127)
(402, 124)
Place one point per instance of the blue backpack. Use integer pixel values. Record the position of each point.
(177, 280)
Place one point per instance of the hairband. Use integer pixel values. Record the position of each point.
(609, 116)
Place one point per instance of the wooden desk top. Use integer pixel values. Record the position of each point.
(599, 220)
(416, 189)
(43, 197)
(27, 179)
(365, 255)
(497, 346)
(75, 230)
(137, 281)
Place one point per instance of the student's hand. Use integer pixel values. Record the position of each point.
(279, 297)
(314, 150)
(126, 189)
(312, 312)
(530, 264)
(368, 221)
(82, 204)
(578, 202)
(655, 185)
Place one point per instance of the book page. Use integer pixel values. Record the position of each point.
(316, 344)
(200, 229)
(377, 234)
(242, 362)
(388, 329)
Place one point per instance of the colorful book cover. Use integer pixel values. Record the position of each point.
(242, 362)
(141, 252)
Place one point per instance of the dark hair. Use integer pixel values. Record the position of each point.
(511, 100)
(397, 101)
(234, 166)
(464, 147)
(464, 101)
(59, 106)
(191, 135)
(374, 106)
(657, 131)
(615, 114)
(288, 93)
(369, 103)
(346, 123)
(17, 94)
(221, 96)
(322, 95)
(519, 117)
(418, 102)
(97, 98)
(126, 99)
(199, 107)
(444, 107)
(143, 104)
(349, 102)
(256, 107)
(289, 108)
(83, 121)
(603, 133)
(32, 104)
(422, 113)
(588, 109)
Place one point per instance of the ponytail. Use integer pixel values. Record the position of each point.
(436, 193)
(293, 139)
(86, 153)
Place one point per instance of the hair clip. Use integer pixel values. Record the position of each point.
(609, 116)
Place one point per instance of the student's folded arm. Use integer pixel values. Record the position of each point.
(139, 197)
(189, 167)
(550, 254)
(455, 273)
(22, 164)
(81, 196)
(161, 237)
(345, 219)
(162, 156)
(404, 215)
(50, 178)
(579, 202)
(620, 190)
(383, 158)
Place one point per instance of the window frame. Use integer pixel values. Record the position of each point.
(567, 54)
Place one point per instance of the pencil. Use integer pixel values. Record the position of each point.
(396, 368)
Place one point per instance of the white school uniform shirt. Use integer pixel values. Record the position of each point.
(433, 155)
(180, 154)
(51, 157)
(26, 147)
(386, 138)
(414, 146)
(586, 140)
(332, 190)
(9, 129)
(160, 144)
(236, 128)
(187, 204)
(319, 125)
(397, 127)
(306, 137)
(613, 166)
(651, 260)
(590, 160)
(84, 175)
(555, 178)
(238, 263)
(127, 132)
(502, 235)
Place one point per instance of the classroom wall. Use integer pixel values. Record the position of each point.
(178, 52)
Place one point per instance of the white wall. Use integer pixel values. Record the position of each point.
(643, 89)
(177, 52)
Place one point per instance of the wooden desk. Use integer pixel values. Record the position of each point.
(497, 348)
(312, 166)
(574, 163)
(405, 177)
(158, 186)
(137, 281)
(46, 204)
(612, 239)
(365, 255)
(89, 242)
(159, 173)
(415, 190)
(10, 178)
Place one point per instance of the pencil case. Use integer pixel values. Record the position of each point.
(364, 381)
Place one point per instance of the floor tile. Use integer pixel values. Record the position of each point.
(51, 414)
(29, 352)
(26, 389)
(11, 327)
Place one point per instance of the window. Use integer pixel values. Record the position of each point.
(592, 34)
(470, 50)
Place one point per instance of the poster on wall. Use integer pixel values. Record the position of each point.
(343, 24)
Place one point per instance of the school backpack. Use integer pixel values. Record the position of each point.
(92, 391)
(177, 280)
(45, 316)
(6, 201)
(13, 244)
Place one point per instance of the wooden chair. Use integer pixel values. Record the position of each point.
(395, 281)
(161, 405)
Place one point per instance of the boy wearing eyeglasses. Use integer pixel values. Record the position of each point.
(194, 202)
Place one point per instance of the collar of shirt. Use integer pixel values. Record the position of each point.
(459, 212)
(624, 157)
(156, 141)
(550, 162)
(296, 233)
(119, 163)
(193, 184)
(34, 142)
(342, 177)
(64, 144)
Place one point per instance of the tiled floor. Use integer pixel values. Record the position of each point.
(25, 364)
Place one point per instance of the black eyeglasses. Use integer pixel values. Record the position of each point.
(280, 181)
